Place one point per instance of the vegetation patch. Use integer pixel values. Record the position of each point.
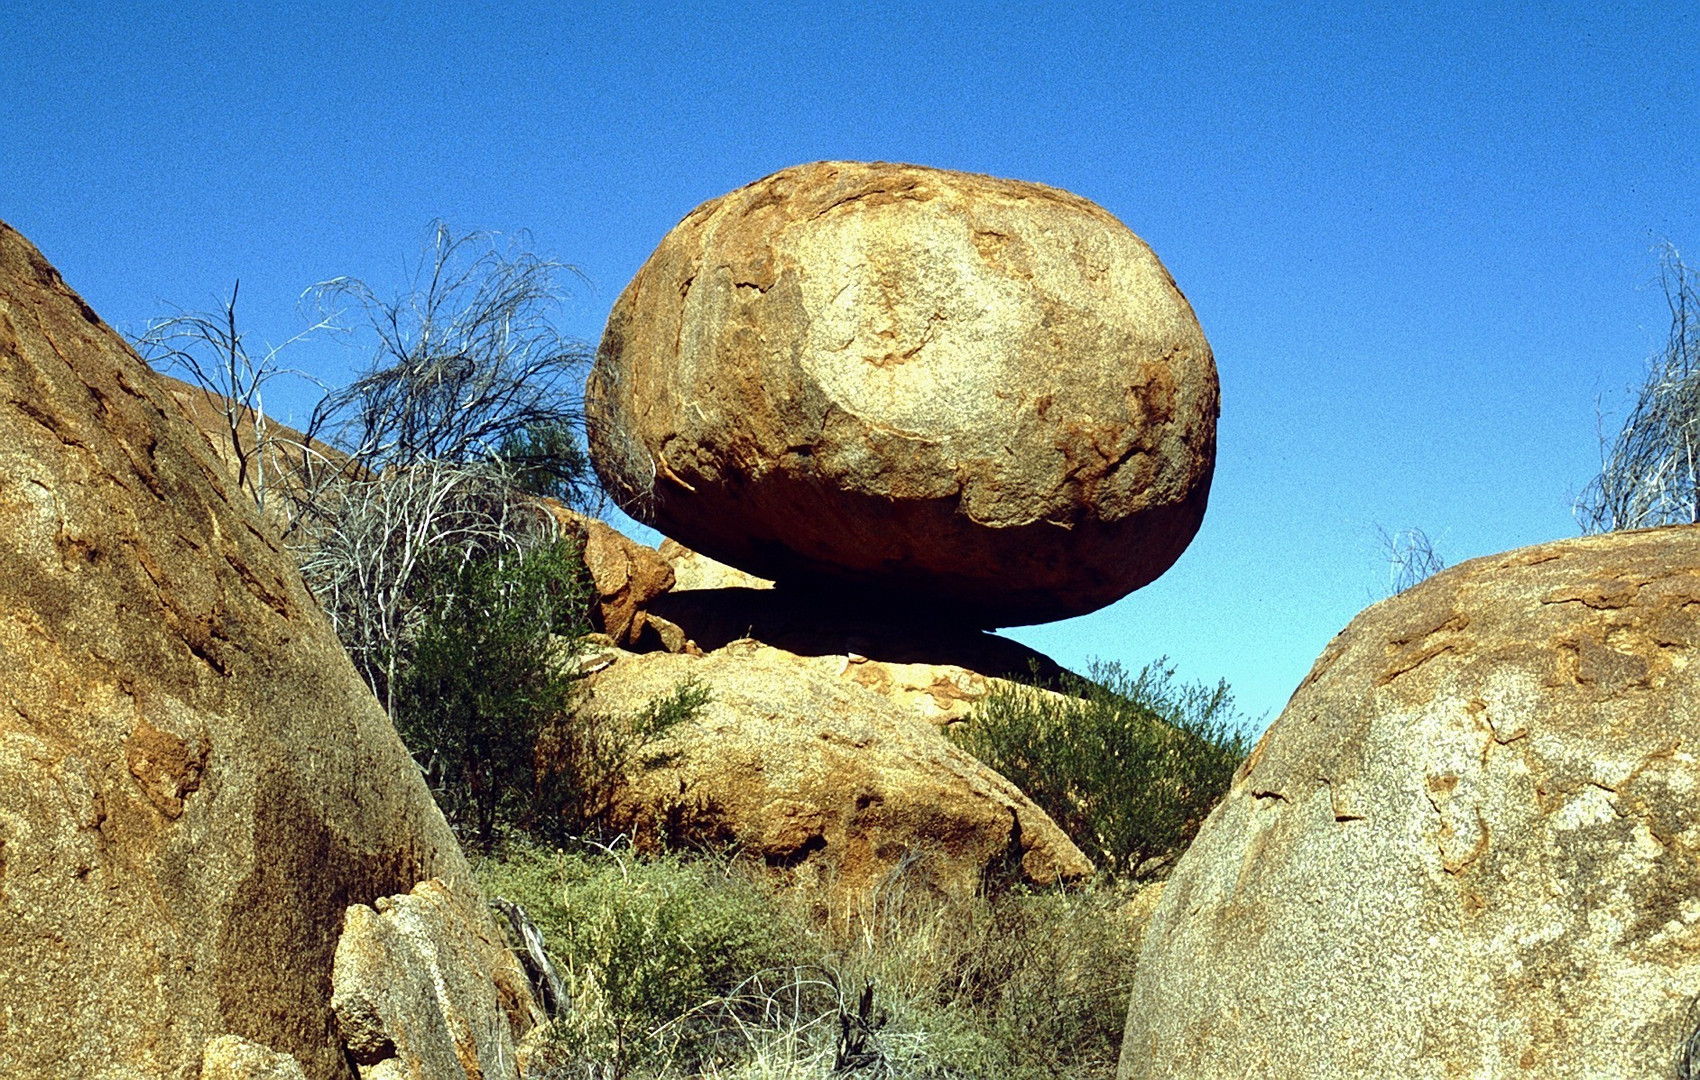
(695, 966)
(1127, 765)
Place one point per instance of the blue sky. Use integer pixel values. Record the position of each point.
(1420, 242)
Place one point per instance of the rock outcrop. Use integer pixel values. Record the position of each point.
(194, 782)
(409, 994)
(1470, 845)
(982, 398)
(625, 575)
(837, 785)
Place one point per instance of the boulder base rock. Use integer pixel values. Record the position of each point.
(1470, 845)
(194, 782)
(982, 397)
(796, 762)
(409, 997)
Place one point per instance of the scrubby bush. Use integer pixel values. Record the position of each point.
(1127, 765)
(485, 681)
(1650, 472)
(489, 705)
(685, 966)
(644, 945)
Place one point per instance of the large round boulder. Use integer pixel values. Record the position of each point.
(982, 396)
(1469, 847)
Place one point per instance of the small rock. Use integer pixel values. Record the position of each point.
(231, 1057)
(414, 994)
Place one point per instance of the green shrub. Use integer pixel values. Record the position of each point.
(547, 458)
(644, 945)
(684, 966)
(485, 680)
(1127, 765)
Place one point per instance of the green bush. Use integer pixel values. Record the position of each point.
(1127, 765)
(547, 458)
(644, 945)
(485, 681)
(684, 966)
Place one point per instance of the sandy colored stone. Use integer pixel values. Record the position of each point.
(1469, 847)
(231, 1057)
(829, 782)
(194, 782)
(972, 394)
(408, 993)
(693, 570)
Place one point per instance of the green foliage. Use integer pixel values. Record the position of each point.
(485, 682)
(548, 458)
(642, 945)
(1127, 765)
(1018, 984)
(680, 966)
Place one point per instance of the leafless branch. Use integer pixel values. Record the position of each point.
(1650, 473)
(212, 351)
(1411, 557)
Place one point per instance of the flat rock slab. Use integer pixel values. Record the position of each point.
(984, 398)
(1469, 847)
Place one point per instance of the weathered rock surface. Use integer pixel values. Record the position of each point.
(801, 765)
(409, 994)
(194, 783)
(975, 395)
(231, 1057)
(1469, 847)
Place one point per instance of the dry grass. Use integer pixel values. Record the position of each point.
(697, 967)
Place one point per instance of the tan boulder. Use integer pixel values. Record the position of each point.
(829, 782)
(967, 393)
(408, 993)
(194, 782)
(1470, 845)
(693, 570)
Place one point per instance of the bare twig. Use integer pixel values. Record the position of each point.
(1650, 473)
(1410, 557)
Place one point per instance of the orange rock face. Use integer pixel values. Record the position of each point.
(976, 397)
(194, 783)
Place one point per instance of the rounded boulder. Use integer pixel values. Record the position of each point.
(984, 397)
(1469, 847)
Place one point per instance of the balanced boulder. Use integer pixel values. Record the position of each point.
(977, 397)
(1470, 845)
(195, 785)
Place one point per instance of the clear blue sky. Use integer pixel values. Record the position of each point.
(1420, 242)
